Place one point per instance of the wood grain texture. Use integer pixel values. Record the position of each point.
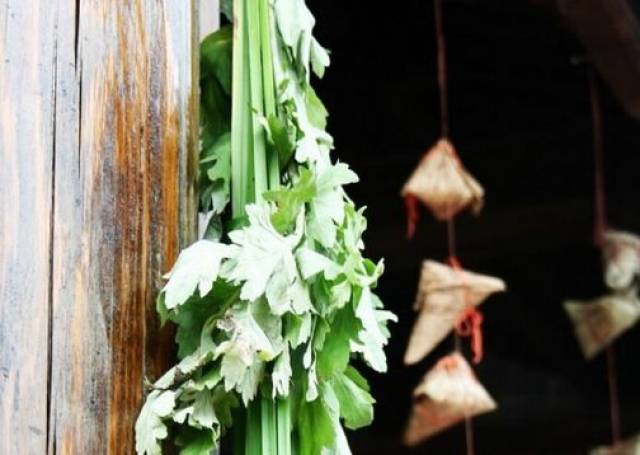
(27, 85)
(99, 154)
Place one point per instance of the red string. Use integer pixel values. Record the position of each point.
(442, 68)
(469, 324)
(599, 227)
(413, 214)
(444, 122)
(600, 217)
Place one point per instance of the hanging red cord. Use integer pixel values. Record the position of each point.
(442, 69)
(600, 215)
(413, 214)
(444, 131)
(469, 324)
(599, 227)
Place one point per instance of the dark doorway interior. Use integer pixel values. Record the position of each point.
(520, 118)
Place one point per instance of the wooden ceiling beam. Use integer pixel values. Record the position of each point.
(610, 33)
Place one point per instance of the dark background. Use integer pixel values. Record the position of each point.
(521, 121)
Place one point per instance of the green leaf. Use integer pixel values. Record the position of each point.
(289, 201)
(197, 267)
(262, 255)
(195, 442)
(246, 350)
(356, 377)
(204, 413)
(335, 353)
(215, 107)
(297, 329)
(356, 403)
(311, 263)
(215, 56)
(281, 137)
(295, 23)
(224, 403)
(150, 428)
(190, 320)
(315, 427)
(316, 110)
(215, 167)
(373, 337)
(281, 376)
(319, 58)
(327, 208)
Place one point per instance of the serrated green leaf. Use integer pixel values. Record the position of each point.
(215, 167)
(289, 201)
(316, 111)
(197, 267)
(311, 263)
(262, 254)
(327, 208)
(281, 376)
(204, 413)
(150, 428)
(335, 353)
(282, 137)
(356, 403)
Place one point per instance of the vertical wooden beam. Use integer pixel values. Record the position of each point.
(27, 125)
(99, 144)
(208, 17)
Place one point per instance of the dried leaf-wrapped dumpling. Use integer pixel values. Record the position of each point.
(621, 253)
(443, 184)
(629, 447)
(444, 293)
(598, 322)
(448, 393)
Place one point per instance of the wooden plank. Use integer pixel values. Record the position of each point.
(27, 80)
(124, 182)
(98, 141)
(208, 16)
(610, 32)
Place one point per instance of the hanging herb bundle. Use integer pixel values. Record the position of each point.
(275, 304)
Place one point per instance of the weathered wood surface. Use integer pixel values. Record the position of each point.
(610, 32)
(98, 141)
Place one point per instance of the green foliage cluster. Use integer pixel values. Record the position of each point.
(275, 306)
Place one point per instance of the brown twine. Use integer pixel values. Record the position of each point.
(444, 131)
(599, 227)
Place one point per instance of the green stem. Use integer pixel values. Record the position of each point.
(238, 108)
(269, 430)
(283, 424)
(266, 429)
(257, 99)
(269, 88)
(253, 434)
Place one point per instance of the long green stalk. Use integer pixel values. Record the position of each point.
(283, 424)
(254, 170)
(269, 429)
(238, 114)
(275, 413)
(269, 88)
(253, 433)
(257, 99)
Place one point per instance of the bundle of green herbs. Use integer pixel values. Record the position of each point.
(276, 302)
